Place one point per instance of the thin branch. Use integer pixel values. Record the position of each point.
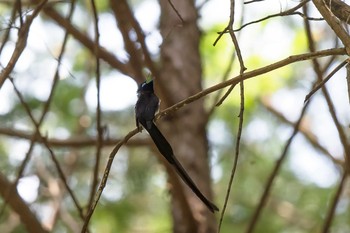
(105, 178)
(176, 11)
(309, 136)
(88, 43)
(99, 129)
(333, 205)
(241, 113)
(225, 76)
(20, 44)
(333, 23)
(74, 142)
(339, 9)
(323, 82)
(52, 155)
(274, 173)
(123, 14)
(251, 74)
(45, 110)
(18, 5)
(278, 15)
(28, 218)
(241, 63)
(6, 34)
(284, 13)
(348, 78)
(318, 72)
(253, 1)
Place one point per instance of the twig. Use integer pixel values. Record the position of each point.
(310, 137)
(35, 135)
(224, 78)
(253, 1)
(348, 78)
(87, 42)
(318, 71)
(241, 113)
(53, 157)
(20, 44)
(74, 142)
(333, 23)
(273, 175)
(251, 74)
(176, 11)
(339, 9)
(241, 63)
(284, 13)
(333, 205)
(323, 82)
(105, 178)
(6, 34)
(99, 129)
(145, 56)
(28, 218)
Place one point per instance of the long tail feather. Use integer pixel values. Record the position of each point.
(165, 149)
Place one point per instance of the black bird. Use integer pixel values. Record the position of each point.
(145, 109)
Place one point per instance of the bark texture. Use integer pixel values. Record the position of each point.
(180, 77)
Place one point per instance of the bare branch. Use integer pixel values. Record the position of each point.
(52, 155)
(88, 43)
(241, 113)
(333, 23)
(333, 205)
(289, 12)
(20, 44)
(339, 9)
(74, 142)
(323, 82)
(99, 128)
(252, 74)
(318, 72)
(105, 178)
(28, 218)
(309, 136)
(275, 171)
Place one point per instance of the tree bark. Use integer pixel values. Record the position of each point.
(180, 77)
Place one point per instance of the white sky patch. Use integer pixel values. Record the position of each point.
(117, 92)
(28, 188)
(214, 12)
(38, 37)
(258, 130)
(311, 166)
(5, 97)
(18, 149)
(147, 14)
(323, 126)
(289, 102)
(114, 190)
(110, 37)
(217, 133)
(216, 171)
(6, 54)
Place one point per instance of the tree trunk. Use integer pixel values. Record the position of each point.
(180, 77)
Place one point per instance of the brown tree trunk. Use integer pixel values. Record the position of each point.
(180, 77)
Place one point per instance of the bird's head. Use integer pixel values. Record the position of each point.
(146, 86)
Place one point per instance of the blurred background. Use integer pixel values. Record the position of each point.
(57, 76)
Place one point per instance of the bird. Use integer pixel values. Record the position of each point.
(145, 108)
